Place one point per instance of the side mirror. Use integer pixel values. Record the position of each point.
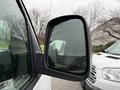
(67, 48)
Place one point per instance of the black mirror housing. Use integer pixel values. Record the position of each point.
(67, 49)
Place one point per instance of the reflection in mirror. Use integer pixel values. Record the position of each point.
(59, 46)
(5, 58)
(67, 47)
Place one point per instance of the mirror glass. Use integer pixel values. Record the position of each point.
(67, 47)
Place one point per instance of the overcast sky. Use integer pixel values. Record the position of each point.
(63, 7)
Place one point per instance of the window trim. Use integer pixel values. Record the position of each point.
(34, 76)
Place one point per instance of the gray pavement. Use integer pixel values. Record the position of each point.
(60, 84)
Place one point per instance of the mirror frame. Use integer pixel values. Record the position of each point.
(58, 73)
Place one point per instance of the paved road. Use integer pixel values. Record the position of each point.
(59, 84)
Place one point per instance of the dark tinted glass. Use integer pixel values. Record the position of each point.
(13, 47)
(67, 47)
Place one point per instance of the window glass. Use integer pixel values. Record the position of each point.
(14, 71)
(114, 49)
(39, 16)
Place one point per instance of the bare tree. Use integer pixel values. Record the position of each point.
(114, 27)
(4, 31)
(115, 13)
(17, 27)
(97, 16)
(39, 20)
(91, 13)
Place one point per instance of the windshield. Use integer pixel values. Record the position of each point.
(114, 49)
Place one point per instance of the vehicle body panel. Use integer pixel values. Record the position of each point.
(101, 61)
(44, 83)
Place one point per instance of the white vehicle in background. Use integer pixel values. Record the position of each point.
(105, 71)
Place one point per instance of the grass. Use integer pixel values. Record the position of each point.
(4, 44)
(42, 48)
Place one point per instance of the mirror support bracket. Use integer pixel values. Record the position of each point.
(39, 61)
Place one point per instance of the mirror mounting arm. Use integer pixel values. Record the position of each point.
(72, 61)
(39, 61)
